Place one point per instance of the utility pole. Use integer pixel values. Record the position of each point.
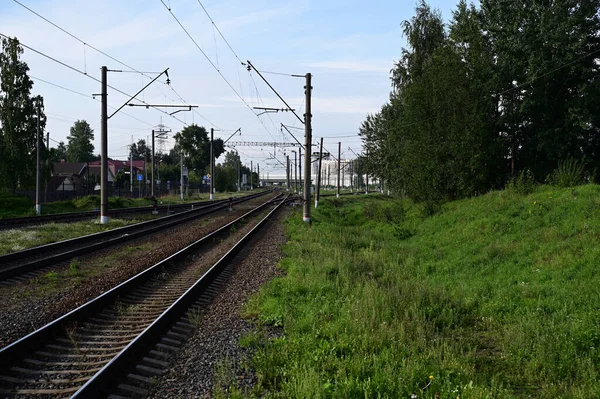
(367, 172)
(212, 165)
(153, 181)
(319, 175)
(38, 175)
(258, 173)
(48, 165)
(239, 184)
(251, 180)
(131, 167)
(287, 173)
(339, 167)
(300, 167)
(181, 178)
(307, 148)
(295, 172)
(104, 151)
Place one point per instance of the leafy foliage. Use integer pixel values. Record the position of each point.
(195, 142)
(505, 87)
(80, 147)
(18, 120)
(569, 173)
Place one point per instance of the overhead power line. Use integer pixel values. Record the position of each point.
(214, 66)
(88, 76)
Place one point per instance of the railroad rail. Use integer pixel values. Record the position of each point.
(131, 327)
(32, 259)
(8, 223)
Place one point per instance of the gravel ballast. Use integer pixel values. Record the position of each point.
(215, 343)
(30, 305)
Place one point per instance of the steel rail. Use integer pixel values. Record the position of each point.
(23, 347)
(7, 223)
(104, 239)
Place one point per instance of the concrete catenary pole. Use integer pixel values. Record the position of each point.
(38, 175)
(258, 173)
(307, 148)
(319, 175)
(181, 177)
(131, 167)
(300, 167)
(104, 151)
(212, 165)
(339, 168)
(153, 156)
(287, 173)
(251, 182)
(367, 172)
(295, 172)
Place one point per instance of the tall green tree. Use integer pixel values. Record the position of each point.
(18, 119)
(59, 153)
(195, 143)
(141, 151)
(80, 147)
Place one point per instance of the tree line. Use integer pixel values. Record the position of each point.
(504, 88)
(19, 110)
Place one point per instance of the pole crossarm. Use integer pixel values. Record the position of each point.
(261, 144)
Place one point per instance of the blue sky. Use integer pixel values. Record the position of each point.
(348, 46)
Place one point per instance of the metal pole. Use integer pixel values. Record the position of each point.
(238, 174)
(300, 167)
(295, 172)
(212, 165)
(48, 165)
(307, 149)
(339, 167)
(131, 167)
(258, 173)
(319, 175)
(367, 173)
(104, 152)
(153, 156)
(181, 179)
(38, 175)
(251, 180)
(287, 173)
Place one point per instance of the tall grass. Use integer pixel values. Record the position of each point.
(491, 297)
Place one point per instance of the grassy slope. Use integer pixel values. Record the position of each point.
(495, 296)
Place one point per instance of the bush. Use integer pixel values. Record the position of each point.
(523, 184)
(569, 173)
(15, 206)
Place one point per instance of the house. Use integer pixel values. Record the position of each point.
(115, 166)
(66, 182)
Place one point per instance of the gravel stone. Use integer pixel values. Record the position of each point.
(26, 306)
(192, 370)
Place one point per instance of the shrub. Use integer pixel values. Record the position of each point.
(569, 173)
(523, 184)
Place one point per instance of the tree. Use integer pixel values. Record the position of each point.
(59, 153)
(18, 119)
(141, 151)
(80, 147)
(195, 143)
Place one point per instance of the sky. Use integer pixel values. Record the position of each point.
(348, 46)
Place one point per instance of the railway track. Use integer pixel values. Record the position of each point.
(127, 331)
(10, 223)
(19, 264)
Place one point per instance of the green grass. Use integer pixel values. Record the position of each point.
(491, 297)
(19, 239)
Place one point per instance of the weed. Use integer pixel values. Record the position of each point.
(195, 317)
(523, 184)
(569, 173)
(74, 270)
(52, 277)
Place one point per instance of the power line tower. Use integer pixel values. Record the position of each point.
(160, 133)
